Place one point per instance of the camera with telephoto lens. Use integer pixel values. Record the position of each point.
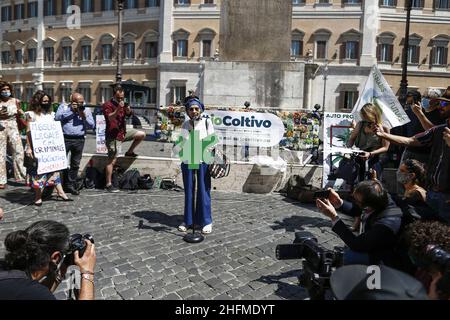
(81, 107)
(318, 263)
(77, 243)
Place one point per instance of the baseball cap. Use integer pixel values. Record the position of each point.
(351, 283)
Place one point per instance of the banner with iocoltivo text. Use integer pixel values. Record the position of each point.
(48, 146)
(247, 128)
(377, 91)
(100, 128)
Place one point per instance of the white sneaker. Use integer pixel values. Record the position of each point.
(207, 229)
(182, 227)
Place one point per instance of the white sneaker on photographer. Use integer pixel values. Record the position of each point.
(182, 227)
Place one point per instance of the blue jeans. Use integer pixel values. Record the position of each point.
(440, 203)
(353, 257)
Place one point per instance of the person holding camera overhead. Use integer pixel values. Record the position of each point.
(37, 259)
(75, 119)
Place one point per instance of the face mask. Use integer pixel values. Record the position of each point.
(6, 94)
(403, 177)
(45, 107)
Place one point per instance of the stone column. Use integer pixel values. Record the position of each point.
(38, 76)
(165, 32)
(370, 25)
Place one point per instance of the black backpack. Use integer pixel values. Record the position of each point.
(94, 179)
(145, 182)
(130, 180)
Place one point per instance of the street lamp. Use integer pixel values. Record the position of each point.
(325, 77)
(404, 81)
(120, 4)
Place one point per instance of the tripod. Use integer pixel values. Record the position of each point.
(194, 237)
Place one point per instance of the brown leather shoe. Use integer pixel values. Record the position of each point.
(2, 186)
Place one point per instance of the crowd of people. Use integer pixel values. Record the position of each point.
(391, 229)
(391, 223)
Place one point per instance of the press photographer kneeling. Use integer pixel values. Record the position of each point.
(380, 223)
(37, 259)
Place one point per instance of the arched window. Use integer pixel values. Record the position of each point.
(297, 43)
(180, 43)
(206, 37)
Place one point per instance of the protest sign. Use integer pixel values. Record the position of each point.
(100, 128)
(247, 128)
(48, 146)
(377, 91)
(337, 131)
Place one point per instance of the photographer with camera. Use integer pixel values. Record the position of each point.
(380, 223)
(116, 111)
(37, 259)
(75, 118)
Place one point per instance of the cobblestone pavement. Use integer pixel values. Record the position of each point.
(141, 254)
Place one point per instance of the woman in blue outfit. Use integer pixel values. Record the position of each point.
(202, 215)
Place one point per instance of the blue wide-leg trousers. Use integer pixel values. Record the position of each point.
(202, 215)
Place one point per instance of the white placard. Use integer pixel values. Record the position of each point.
(336, 133)
(100, 129)
(48, 146)
(247, 128)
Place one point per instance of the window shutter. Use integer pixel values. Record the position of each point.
(445, 56)
(379, 52)
(395, 3)
(432, 54)
(391, 52)
(343, 51)
(174, 49)
(417, 58)
(301, 48)
(357, 50)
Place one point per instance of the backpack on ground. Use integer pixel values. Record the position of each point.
(130, 180)
(145, 182)
(297, 189)
(94, 179)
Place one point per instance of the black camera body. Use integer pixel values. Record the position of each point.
(77, 243)
(82, 107)
(318, 264)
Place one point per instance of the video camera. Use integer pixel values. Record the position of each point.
(318, 264)
(77, 243)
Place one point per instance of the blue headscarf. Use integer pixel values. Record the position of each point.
(194, 102)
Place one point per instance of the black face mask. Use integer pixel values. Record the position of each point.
(45, 107)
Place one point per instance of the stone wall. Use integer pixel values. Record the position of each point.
(255, 30)
(263, 84)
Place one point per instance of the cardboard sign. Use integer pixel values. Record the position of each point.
(100, 128)
(48, 146)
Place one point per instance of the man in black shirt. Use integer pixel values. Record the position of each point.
(420, 121)
(438, 168)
